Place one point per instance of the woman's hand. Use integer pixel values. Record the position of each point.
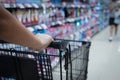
(45, 41)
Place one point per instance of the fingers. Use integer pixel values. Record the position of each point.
(45, 40)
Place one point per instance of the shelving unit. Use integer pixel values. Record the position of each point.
(80, 22)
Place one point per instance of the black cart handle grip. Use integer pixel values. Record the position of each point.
(58, 44)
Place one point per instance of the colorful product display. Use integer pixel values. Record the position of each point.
(7, 1)
(28, 1)
(27, 16)
(68, 22)
(56, 1)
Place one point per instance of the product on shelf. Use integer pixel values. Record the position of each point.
(7, 1)
(20, 1)
(75, 21)
(28, 1)
(56, 1)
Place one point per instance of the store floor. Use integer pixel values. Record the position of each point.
(104, 59)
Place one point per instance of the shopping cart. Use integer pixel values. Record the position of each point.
(21, 63)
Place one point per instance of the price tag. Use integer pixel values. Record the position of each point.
(35, 5)
(6, 5)
(59, 22)
(20, 6)
(28, 5)
(53, 23)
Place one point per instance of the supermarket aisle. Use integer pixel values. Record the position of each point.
(104, 57)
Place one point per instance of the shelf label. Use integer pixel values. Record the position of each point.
(6, 5)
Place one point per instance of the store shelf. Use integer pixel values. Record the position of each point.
(9, 5)
(22, 6)
(30, 25)
(35, 5)
(85, 30)
(83, 26)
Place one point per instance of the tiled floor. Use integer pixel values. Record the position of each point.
(104, 59)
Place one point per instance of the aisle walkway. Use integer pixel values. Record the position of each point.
(104, 59)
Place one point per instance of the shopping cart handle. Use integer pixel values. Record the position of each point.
(58, 44)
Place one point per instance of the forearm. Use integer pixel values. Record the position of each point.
(13, 31)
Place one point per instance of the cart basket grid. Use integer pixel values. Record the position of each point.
(21, 63)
